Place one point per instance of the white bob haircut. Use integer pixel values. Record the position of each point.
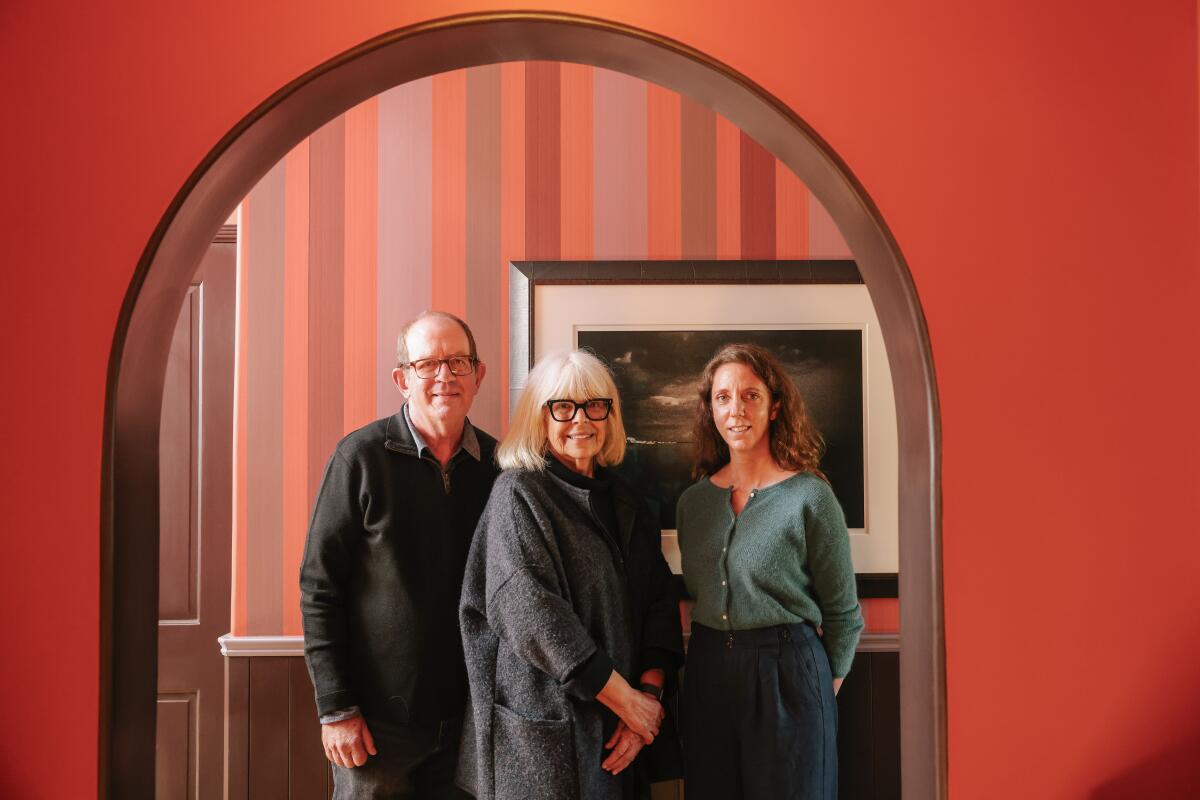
(565, 374)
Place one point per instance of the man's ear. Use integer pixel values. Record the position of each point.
(400, 378)
(480, 370)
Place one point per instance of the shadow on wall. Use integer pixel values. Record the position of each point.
(1171, 774)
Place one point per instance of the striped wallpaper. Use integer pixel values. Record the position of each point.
(467, 171)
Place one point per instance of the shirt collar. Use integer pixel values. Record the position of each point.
(469, 443)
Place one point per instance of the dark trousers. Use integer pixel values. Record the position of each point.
(759, 716)
(413, 762)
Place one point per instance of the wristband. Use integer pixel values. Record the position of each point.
(650, 688)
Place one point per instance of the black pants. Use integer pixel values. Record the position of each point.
(414, 762)
(759, 716)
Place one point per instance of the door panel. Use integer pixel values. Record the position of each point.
(174, 767)
(178, 539)
(269, 762)
(195, 449)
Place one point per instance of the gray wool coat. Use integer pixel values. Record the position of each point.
(550, 605)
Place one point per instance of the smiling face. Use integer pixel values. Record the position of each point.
(741, 408)
(439, 403)
(576, 443)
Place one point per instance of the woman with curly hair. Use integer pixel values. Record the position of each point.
(766, 554)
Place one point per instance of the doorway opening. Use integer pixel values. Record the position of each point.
(130, 525)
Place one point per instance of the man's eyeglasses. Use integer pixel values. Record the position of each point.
(595, 409)
(430, 367)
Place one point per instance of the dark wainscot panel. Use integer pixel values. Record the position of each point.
(273, 737)
(275, 743)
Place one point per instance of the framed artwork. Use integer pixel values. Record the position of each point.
(656, 324)
(656, 373)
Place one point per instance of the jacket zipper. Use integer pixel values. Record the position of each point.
(443, 472)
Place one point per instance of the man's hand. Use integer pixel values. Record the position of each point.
(347, 743)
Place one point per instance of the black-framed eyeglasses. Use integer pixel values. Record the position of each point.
(430, 367)
(595, 409)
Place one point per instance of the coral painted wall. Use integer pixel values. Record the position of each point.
(576, 162)
(1037, 162)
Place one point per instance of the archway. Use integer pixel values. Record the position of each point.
(129, 525)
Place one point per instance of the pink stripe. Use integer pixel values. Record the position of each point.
(295, 377)
(791, 214)
(237, 611)
(881, 614)
(484, 306)
(619, 121)
(758, 200)
(576, 142)
(405, 227)
(729, 189)
(698, 182)
(359, 299)
(512, 200)
(543, 167)
(664, 223)
(450, 191)
(264, 267)
(326, 286)
(824, 238)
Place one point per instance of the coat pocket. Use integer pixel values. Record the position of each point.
(534, 758)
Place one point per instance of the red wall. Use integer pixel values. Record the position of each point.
(1037, 162)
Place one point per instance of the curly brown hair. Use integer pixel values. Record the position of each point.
(795, 442)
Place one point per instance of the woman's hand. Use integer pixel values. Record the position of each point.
(640, 712)
(625, 745)
(837, 682)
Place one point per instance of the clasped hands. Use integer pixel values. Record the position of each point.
(640, 716)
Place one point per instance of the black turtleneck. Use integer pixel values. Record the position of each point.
(600, 495)
(595, 671)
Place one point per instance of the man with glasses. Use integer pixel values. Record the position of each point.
(382, 574)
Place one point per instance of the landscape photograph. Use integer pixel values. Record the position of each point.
(657, 372)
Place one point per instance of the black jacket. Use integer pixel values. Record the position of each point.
(382, 574)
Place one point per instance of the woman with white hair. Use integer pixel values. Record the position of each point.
(570, 623)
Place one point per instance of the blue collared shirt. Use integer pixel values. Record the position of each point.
(469, 443)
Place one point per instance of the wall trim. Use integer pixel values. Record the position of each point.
(246, 646)
(883, 642)
(293, 646)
